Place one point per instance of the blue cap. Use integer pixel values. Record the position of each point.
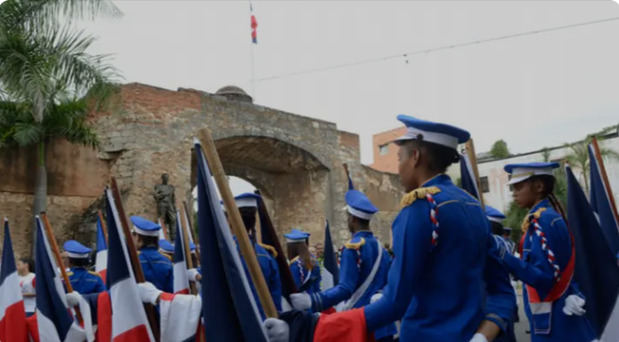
(247, 200)
(359, 205)
(434, 132)
(166, 246)
(296, 235)
(76, 250)
(145, 227)
(494, 214)
(523, 171)
(192, 246)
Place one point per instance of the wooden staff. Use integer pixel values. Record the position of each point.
(236, 224)
(133, 256)
(54, 245)
(187, 250)
(103, 226)
(611, 197)
(190, 228)
(470, 151)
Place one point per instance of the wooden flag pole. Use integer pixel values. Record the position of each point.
(236, 224)
(470, 151)
(611, 197)
(190, 228)
(103, 226)
(185, 237)
(133, 255)
(54, 245)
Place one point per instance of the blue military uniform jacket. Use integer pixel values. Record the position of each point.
(437, 290)
(500, 303)
(535, 270)
(268, 265)
(157, 268)
(84, 281)
(306, 280)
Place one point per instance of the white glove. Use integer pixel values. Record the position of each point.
(478, 337)
(73, 298)
(193, 275)
(149, 293)
(376, 297)
(301, 301)
(277, 330)
(574, 305)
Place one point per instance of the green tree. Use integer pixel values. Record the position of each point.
(45, 72)
(579, 156)
(513, 219)
(499, 149)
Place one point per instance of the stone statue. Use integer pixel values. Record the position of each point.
(166, 208)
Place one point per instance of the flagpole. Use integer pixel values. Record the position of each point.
(611, 197)
(470, 151)
(186, 249)
(103, 226)
(236, 224)
(56, 252)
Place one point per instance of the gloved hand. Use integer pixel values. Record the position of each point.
(478, 337)
(277, 330)
(73, 298)
(149, 293)
(301, 301)
(574, 305)
(193, 275)
(375, 297)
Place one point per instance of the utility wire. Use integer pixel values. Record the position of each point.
(406, 55)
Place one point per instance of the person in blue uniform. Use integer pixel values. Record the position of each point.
(552, 302)
(363, 268)
(166, 248)
(248, 206)
(157, 268)
(304, 268)
(82, 280)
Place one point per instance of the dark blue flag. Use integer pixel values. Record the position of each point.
(601, 204)
(330, 259)
(228, 306)
(596, 271)
(467, 176)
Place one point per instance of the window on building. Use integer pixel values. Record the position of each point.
(484, 184)
(383, 149)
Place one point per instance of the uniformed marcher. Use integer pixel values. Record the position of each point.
(82, 280)
(304, 268)
(157, 267)
(248, 206)
(553, 303)
(364, 265)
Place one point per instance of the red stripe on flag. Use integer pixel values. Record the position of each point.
(13, 326)
(137, 334)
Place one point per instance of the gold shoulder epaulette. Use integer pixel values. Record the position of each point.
(416, 194)
(539, 212)
(95, 274)
(293, 260)
(354, 245)
(526, 223)
(269, 248)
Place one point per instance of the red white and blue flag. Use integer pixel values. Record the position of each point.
(12, 312)
(181, 281)
(101, 257)
(54, 320)
(254, 25)
(601, 203)
(330, 272)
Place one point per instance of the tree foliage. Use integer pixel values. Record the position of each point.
(499, 149)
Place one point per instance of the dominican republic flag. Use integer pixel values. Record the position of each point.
(254, 25)
(228, 307)
(12, 312)
(601, 203)
(54, 320)
(129, 321)
(467, 176)
(330, 272)
(101, 257)
(596, 271)
(181, 281)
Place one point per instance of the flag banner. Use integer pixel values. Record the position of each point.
(12, 311)
(331, 271)
(101, 257)
(601, 203)
(467, 176)
(181, 281)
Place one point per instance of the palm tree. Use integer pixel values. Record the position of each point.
(45, 72)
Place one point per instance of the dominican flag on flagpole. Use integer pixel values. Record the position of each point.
(467, 176)
(54, 320)
(229, 310)
(254, 25)
(129, 322)
(330, 271)
(181, 281)
(596, 271)
(101, 257)
(12, 312)
(602, 204)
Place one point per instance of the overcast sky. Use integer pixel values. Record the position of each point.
(532, 91)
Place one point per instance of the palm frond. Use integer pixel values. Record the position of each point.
(27, 133)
